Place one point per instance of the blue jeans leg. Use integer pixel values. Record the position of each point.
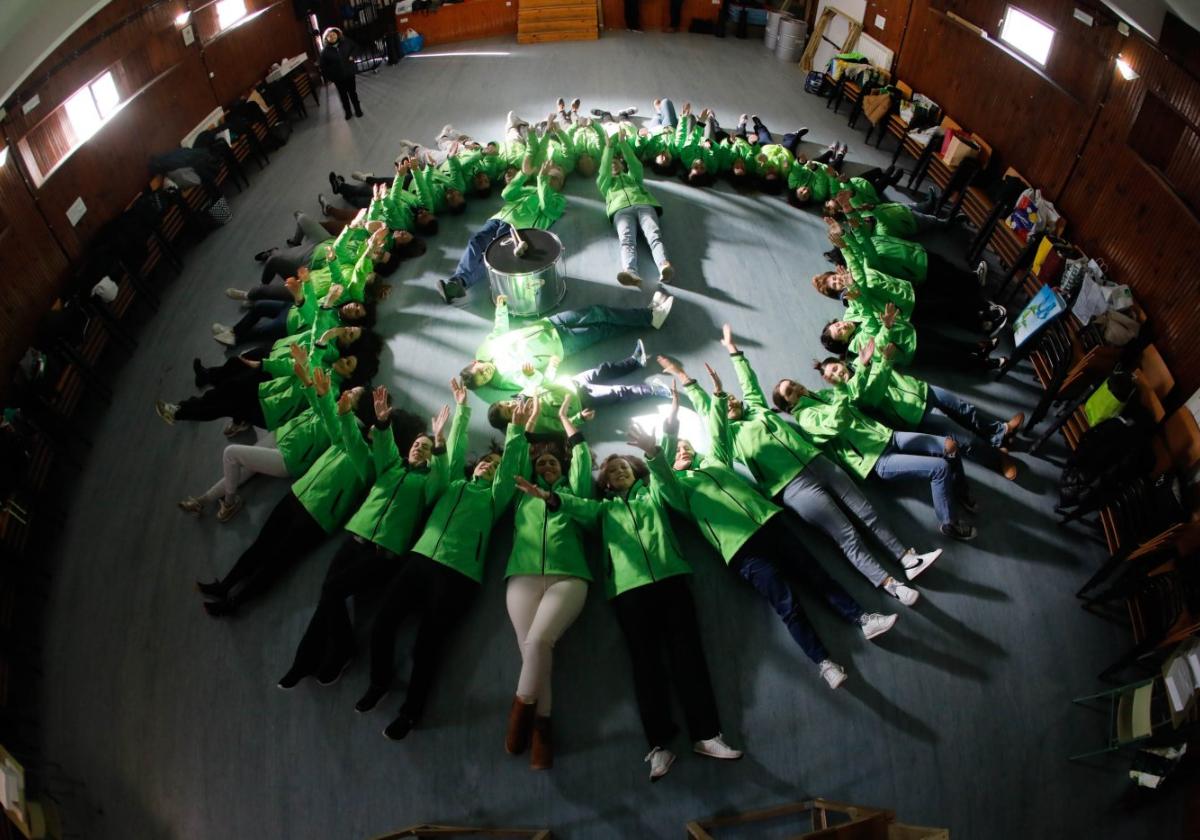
(965, 414)
(665, 115)
(761, 573)
(912, 455)
(579, 329)
(469, 270)
(266, 319)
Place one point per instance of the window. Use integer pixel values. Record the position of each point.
(230, 12)
(90, 107)
(1026, 34)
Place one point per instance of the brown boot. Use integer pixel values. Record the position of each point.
(541, 757)
(520, 720)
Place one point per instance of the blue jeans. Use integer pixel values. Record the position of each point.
(916, 455)
(469, 270)
(596, 388)
(266, 319)
(987, 434)
(758, 562)
(579, 329)
(665, 116)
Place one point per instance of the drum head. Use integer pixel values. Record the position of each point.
(544, 249)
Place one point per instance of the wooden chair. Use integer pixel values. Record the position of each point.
(428, 830)
(827, 820)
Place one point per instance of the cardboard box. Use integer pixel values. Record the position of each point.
(959, 149)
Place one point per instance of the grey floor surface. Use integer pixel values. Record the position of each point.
(960, 717)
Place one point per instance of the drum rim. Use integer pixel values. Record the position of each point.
(562, 250)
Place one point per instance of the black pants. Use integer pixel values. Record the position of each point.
(234, 394)
(632, 20)
(949, 294)
(348, 92)
(286, 537)
(358, 567)
(441, 597)
(676, 10)
(286, 262)
(594, 390)
(657, 616)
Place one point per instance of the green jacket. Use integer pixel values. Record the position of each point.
(862, 191)
(588, 140)
(892, 219)
(876, 290)
(560, 149)
(302, 439)
(776, 156)
(282, 396)
(627, 189)
(640, 547)
(870, 325)
(347, 245)
(400, 497)
(655, 142)
(897, 257)
(335, 484)
(548, 542)
(510, 349)
(772, 449)
(726, 509)
(832, 421)
(456, 534)
(813, 176)
(431, 184)
(897, 399)
(538, 206)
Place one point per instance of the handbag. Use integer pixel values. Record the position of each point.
(1119, 328)
(876, 106)
(815, 83)
(219, 211)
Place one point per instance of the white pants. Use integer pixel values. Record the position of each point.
(240, 462)
(541, 608)
(627, 222)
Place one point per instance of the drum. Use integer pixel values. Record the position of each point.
(534, 281)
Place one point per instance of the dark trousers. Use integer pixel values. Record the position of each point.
(470, 268)
(286, 262)
(275, 290)
(950, 294)
(791, 141)
(235, 397)
(676, 11)
(286, 537)
(595, 390)
(662, 616)
(264, 320)
(759, 562)
(440, 596)
(632, 18)
(348, 92)
(328, 641)
(935, 349)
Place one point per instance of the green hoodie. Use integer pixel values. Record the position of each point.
(561, 151)
(400, 496)
(509, 350)
(456, 534)
(897, 257)
(627, 189)
(538, 206)
(773, 450)
(431, 184)
(776, 156)
(899, 400)
(726, 509)
(347, 245)
(640, 547)
(335, 484)
(548, 542)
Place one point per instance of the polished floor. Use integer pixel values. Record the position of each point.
(960, 717)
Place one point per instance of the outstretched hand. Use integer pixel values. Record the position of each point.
(460, 393)
(716, 379)
(383, 408)
(439, 425)
(320, 378)
(349, 399)
(672, 367)
(530, 489)
(643, 440)
(867, 352)
(727, 338)
(889, 314)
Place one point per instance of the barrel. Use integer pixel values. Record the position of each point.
(773, 18)
(770, 39)
(791, 27)
(789, 48)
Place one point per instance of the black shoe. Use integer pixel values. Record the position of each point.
(800, 134)
(450, 290)
(201, 381)
(263, 256)
(221, 608)
(626, 113)
(957, 531)
(969, 504)
(331, 672)
(357, 111)
(349, 115)
(294, 242)
(334, 181)
(397, 729)
(369, 700)
(291, 679)
(216, 589)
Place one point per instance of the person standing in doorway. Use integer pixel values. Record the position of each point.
(337, 66)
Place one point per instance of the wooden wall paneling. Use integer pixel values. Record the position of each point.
(32, 268)
(462, 21)
(242, 56)
(895, 14)
(655, 15)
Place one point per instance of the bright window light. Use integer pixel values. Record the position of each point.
(104, 91)
(1026, 34)
(91, 106)
(230, 12)
(182, 18)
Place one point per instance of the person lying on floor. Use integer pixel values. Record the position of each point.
(537, 205)
(655, 143)
(512, 360)
(904, 402)
(589, 390)
(699, 163)
(401, 207)
(809, 181)
(630, 206)
(272, 320)
(478, 159)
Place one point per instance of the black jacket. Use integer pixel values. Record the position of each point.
(337, 64)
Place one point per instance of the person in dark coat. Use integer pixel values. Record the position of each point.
(337, 66)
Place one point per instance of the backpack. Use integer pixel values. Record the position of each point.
(816, 83)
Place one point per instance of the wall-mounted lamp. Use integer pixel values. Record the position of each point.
(182, 19)
(3, 156)
(1127, 72)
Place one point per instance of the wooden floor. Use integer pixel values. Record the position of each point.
(960, 717)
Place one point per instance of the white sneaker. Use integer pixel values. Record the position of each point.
(166, 411)
(906, 595)
(833, 673)
(658, 297)
(981, 271)
(225, 337)
(660, 762)
(218, 328)
(716, 747)
(639, 353)
(666, 272)
(914, 563)
(236, 294)
(876, 624)
(361, 176)
(660, 310)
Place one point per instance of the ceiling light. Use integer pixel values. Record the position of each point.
(1127, 71)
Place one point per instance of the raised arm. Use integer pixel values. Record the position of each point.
(636, 171)
(752, 392)
(500, 320)
(438, 478)
(351, 438)
(514, 462)
(604, 172)
(456, 447)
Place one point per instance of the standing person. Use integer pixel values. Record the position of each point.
(547, 585)
(337, 66)
(630, 205)
(378, 536)
(632, 16)
(791, 471)
(751, 535)
(653, 604)
(443, 572)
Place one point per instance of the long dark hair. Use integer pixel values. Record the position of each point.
(635, 463)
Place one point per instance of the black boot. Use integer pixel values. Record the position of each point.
(201, 377)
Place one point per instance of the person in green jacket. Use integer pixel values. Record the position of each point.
(791, 471)
(318, 504)
(644, 578)
(547, 584)
(519, 360)
(537, 206)
(809, 180)
(442, 573)
(630, 205)
(378, 535)
(901, 401)
(752, 536)
(440, 187)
